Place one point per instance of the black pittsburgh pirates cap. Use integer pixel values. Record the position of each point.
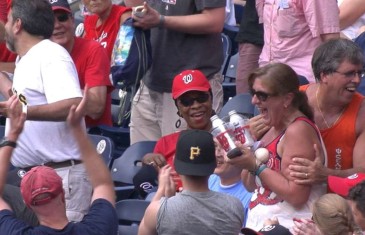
(195, 153)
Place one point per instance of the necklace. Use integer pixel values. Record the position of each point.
(320, 111)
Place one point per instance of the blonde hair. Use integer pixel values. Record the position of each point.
(333, 215)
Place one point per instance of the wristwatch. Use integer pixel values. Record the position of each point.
(4, 142)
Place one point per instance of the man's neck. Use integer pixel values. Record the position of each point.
(24, 44)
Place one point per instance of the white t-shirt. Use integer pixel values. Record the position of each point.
(230, 15)
(45, 74)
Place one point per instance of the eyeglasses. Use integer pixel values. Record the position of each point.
(189, 101)
(260, 95)
(62, 17)
(352, 74)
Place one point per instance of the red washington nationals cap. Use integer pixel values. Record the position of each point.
(342, 186)
(40, 180)
(189, 80)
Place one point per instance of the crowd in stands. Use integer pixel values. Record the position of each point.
(57, 85)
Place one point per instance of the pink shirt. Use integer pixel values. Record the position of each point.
(292, 30)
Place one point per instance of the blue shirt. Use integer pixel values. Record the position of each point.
(237, 190)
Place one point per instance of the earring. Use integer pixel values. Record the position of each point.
(178, 122)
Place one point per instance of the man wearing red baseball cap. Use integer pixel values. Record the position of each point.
(42, 188)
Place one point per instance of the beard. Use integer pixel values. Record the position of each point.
(10, 43)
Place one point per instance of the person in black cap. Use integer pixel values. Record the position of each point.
(196, 210)
(91, 62)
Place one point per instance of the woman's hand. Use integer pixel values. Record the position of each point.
(154, 159)
(246, 160)
(258, 127)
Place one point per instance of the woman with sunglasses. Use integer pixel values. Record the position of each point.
(191, 92)
(292, 133)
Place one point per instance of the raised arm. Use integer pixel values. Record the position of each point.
(96, 169)
(17, 119)
(208, 21)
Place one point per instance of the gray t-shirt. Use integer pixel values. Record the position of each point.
(200, 213)
(174, 51)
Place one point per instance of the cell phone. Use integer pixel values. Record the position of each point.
(139, 11)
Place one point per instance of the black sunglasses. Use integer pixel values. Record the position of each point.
(63, 17)
(260, 95)
(189, 101)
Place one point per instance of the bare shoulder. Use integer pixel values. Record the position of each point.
(302, 127)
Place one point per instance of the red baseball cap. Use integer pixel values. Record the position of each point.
(342, 186)
(189, 80)
(40, 180)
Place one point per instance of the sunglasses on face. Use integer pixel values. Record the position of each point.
(189, 101)
(260, 95)
(62, 17)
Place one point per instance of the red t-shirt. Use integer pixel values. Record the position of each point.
(5, 54)
(92, 64)
(106, 33)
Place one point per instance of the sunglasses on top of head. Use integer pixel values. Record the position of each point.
(260, 95)
(63, 17)
(189, 101)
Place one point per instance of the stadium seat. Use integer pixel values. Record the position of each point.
(241, 103)
(130, 213)
(126, 167)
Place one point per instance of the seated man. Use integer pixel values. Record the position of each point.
(196, 210)
(42, 188)
(227, 178)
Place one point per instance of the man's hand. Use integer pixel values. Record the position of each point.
(165, 182)
(305, 227)
(258, 127)
(309, 172)
(150, 18)
(77, 114)
(17, 117)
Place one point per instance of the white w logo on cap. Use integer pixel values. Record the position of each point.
(188, 78)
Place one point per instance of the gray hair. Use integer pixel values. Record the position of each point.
(329, 55)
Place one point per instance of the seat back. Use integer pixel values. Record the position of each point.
(130, 213)
(241, 103)
(105, 147)
(129, 163)
(227, 47)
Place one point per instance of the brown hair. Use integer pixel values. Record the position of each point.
(281, 79)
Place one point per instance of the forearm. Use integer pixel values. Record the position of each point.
(5, 85)
(96, 103)
(208, 22)
(350, 11)
(342, 173)
(96, 169)
(329, 36)
(285, 189)
(133, 3)
(248, 181)
(56, 111)
(7, 67)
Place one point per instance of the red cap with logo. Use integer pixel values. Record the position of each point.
(189, 80)
(40, 180)
(342, 186)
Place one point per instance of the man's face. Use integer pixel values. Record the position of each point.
(63, 31)
(97, 6)
(9, 35)
(345, 80)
